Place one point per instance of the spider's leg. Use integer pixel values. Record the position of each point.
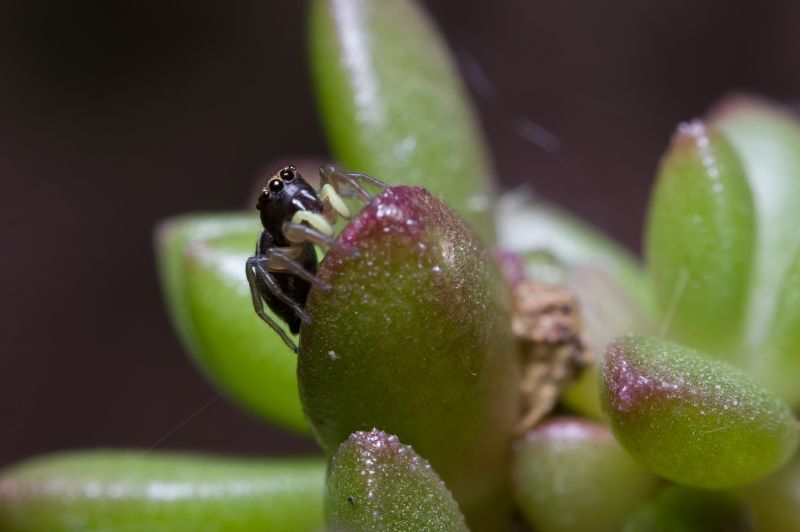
(329, 174)
(299, 232)
(263, 269)
(274, 288)
(275, 259)
(348, 193)
(377, 183)
(258, 305)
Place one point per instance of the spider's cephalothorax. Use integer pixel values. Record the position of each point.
(295, 217)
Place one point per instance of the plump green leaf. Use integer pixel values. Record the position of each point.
(571, 475)
(393, 105)
(159, 491)
(694, 420)
(376, 483)
(700, 241)
(201, 260)
(681, 509)
(414, 337)
(767, 138)
(776, 499)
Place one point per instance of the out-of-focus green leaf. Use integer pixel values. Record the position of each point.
(776, 499)
(376, 483)
(393, 104)
(700, 242)
(767, 139)
(571, 475)
(415, 337)
(126, 491)
(681, 509)
(201, 260)
(525, 226)
(778, 362)
(692, 419)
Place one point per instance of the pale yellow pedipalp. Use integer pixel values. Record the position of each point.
(329, 194)
(315, 220)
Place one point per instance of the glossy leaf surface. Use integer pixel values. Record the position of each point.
(700, 242)
(202, 266)
(376, 483)
(125, 491)
(393, 104)
(692, 419)
(414, 336)
(570, 474)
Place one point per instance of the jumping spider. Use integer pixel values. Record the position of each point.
(295, 217)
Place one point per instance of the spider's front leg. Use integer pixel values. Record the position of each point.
(330, 193)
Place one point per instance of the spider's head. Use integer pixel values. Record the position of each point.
(284, 194)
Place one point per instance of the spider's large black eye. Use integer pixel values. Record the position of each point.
(288, 174)
(276, 186)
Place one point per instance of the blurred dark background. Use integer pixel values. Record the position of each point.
(114, 115)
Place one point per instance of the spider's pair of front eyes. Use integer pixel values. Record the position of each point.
(276, 185)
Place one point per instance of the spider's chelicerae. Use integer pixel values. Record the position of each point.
(295, 217)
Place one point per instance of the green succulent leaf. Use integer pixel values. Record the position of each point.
(700, 241)
(161, 491)
(376, 483)
(767, 138)
(778, 362)
(393, 105)
(682, 509)
(692, 419)
(571, 475)
(415, 337)
(201, 260)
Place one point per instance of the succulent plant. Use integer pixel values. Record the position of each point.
(410, 374)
